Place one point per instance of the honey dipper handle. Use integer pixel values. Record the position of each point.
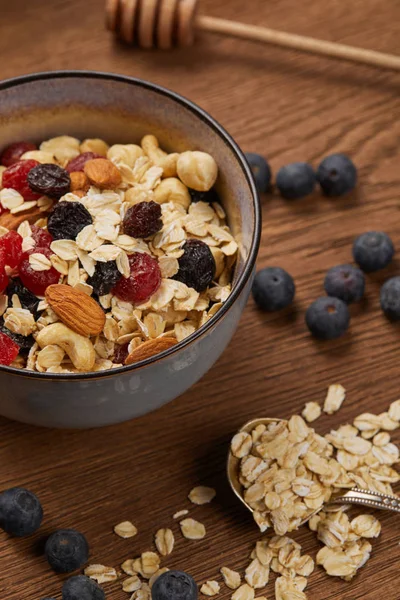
(298, 42)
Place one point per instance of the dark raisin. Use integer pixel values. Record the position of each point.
(67, 220)
(120, 354)
(27, 299)
(210, 196)
(143, 219)
(25, 342)
(106, 276)
(49, 180)
(196, 265)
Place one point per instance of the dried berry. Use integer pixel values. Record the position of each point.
(37, 281)
(120, 354)
(24, 342)
(3, 279)
(13, 152)
(67, 220)
(143, 281)
(11, 248)
(105, 277)
(210, 196)
(16, 177)
(49, 180)
(143, 219)
(8, 349)
(41, 236)
(77, 164)
(196, 265)
(27, 299)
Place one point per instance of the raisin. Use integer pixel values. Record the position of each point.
(120, 354)
(11, 247)
(25, 342)
(78, 163)
(13, 152)
(67, 220)
(37, 281)
(210, 196)
(49, 180)
(143, 281)
(105, 277)
(8, 349)
(27, 299)
(196, 265)
(142, 220)
(41, 236)
(16, 177)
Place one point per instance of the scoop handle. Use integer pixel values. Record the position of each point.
(371, 499)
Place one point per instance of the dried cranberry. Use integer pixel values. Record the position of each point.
(49, 180)
(143, 281)
(210, 196)
(142, 220)
(77, 164)
(13, 152)
(27, 299)
(16, 177)
(105, 277)
(37, 281)
(67, 220)
(120, 354)
(25, 342)
(196, 265)
(8, 349)
(41, 236)
(11, 247)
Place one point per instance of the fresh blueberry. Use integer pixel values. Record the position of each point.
(345, 282)
(81, 587)
(20, 512)
(66, 550)
(337, 175)
(328, 318)
(261, 171)
(174, 585)
(390, 298)
(373, 250)
(273, 289)
(296, 180)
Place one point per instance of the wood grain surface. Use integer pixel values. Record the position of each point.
(289, 107)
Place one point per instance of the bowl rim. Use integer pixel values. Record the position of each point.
(255, 242)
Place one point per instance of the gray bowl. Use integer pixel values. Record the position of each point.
(121, 110)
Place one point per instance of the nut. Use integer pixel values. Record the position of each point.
(103, 173)
(79, 349)
(124, 153)
(167, 162)
(77, 310)
(13, 221)
(94, 145)
(79, 181)
(197, 170)
(172, 189)
(149, 349)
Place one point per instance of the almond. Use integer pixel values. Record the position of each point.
(76, 310)
(103, 173)
(79, 181)
(150, 348)
(14, 221)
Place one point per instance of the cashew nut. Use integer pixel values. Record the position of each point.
(167, 162)
(79, 349)
(197, 170)
(124, 153)
(94, 145)
(172, 190)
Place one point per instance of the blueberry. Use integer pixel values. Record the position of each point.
(390, 298)
(273, 289)
(20, 512)
(296, 180)
(174, 585)
(261, 171)
(66, 550)
(373, 250)
(81, 587)
(345, 282)
(337, 175)
(328, 318)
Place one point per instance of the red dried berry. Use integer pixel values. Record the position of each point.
(41, 236)
(16, 177)
(13, 152)
(120, 354)
(77, 164)
(143, 219)
(143, 281)
(8, 350)
(3, 210)
(3, 278)
(11, 247)
(49, 180)
(37, 281)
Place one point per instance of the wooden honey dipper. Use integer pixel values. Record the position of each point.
(168, 23)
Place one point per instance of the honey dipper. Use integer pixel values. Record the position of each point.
(167, 23)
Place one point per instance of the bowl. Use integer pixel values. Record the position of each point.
(121, 110)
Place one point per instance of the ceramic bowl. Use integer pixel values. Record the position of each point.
(121, 110)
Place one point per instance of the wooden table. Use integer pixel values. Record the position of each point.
(289, 107)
